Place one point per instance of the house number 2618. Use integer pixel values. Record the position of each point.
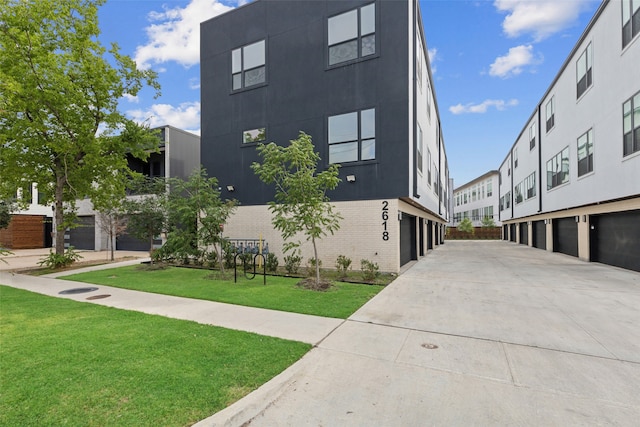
(385, 218)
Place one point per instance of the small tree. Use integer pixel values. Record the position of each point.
(5, 213)
(487, 222)
(466, 226)
(301, 203)
(113, 223)
(146, 212)
(197, 202)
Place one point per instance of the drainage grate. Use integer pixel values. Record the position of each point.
(92, 297)
(429, 346)
(77, 291)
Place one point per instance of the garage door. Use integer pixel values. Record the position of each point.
(430, 235)
(84, 235)
(615, 239)
(524, 233)
(565, 236)
(505, 232)
(539, 234)
(407, 239)
(512, 232)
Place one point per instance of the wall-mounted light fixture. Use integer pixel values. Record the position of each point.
(577, 218)
(231, 188)
(351, 178)
(399, 216)
(584, 218)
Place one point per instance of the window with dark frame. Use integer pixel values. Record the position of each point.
(420, 142)
(515, 158)
(630, 20)
(631, 125)
(585, 153)
(248, 65)
(558, 169)
(551, 113)
(254, 135)
(532, 136)
(584, 73)
(352, 136)
(352, 34)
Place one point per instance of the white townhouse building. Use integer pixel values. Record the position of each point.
(571, 181)
(477, 200)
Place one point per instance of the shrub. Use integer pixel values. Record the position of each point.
(292, 263)
(229, 254)
(247, 259)
(53, 260)
(342, 265)
(466, 226)
(211, 258)
(370, 270)
(271, 262)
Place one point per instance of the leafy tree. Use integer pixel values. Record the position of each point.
(59, 93)
(466, 226)
(5, 213)
(146, 211)
(198, 213)
(487, 221)
(301, 203)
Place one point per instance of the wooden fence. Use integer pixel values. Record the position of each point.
(480, 233)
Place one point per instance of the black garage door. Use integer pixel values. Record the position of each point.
(407, 239)
(615, 239)
(505, 232)
(512, 232)
(127, 242)
(84, 235)
(539, 234)
(430, 235)
(524, 233)
(565, 236)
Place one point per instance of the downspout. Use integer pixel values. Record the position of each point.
(415, 102)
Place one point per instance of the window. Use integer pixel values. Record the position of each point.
(248, 65)
(558, 169)
(428, 166)
(583, 71)
(630, 20)
(351, 35)
(419, 54)
(515, 158)
(254, 135)
(507, 200)
(551, 113)
(489, 188)
(435, 180)
(352, 136)
(518, 193)
(420, 148)
(532, 136)
(631, 125)
(585, 153)
(530, 186)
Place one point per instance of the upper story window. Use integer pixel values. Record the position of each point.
(558, 169)
(420, 149)
(419, 61)
(551, 113)
(585, 153)
(352, 34)
(254, 135)
(631, 125)
(630, 20)
(584, 75)
(352, 136)
(489, 188)
(532, 136)
(515, 158)
(530, 186)
(518, 193)
(248, 65)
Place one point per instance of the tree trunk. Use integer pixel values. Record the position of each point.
(112, 225)
(59, 210)
(151, 247)
(315, 256)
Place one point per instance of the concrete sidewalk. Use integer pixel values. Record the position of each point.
(476, 333)
(22, 259)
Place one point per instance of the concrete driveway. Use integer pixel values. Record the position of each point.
(476, 333)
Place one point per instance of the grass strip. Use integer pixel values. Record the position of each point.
(280, 293)
(69, 363)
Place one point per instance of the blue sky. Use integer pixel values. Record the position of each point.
(491, 60)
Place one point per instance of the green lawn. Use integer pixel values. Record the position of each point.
(69, 363)
(280, 293)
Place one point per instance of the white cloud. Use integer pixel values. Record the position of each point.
(513, 62)
(482, 108)
(433, 57)
(194, 83)
(131, 98)
(186, 116)
(541, 18)
(174, 34)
